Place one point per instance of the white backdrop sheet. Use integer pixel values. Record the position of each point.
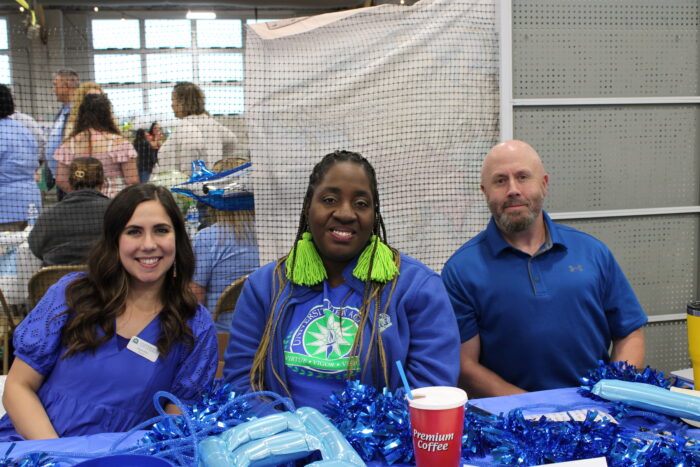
(413, 89)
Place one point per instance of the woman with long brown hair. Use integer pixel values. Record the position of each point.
(96, 135)
(342, 305)
(100, 344)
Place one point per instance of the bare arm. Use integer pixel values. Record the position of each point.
(131, 174)
(478, 380)
(629, 348)
(172, 409)
(23, 405)
(62, 177)
(199, 292)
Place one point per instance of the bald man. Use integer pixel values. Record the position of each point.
(537, 303)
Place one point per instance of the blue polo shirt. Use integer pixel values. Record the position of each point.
(543, 320)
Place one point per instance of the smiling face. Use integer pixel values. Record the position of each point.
(341, 215)
(147, 245)
(515, 184)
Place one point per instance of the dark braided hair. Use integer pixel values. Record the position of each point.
(372, 291)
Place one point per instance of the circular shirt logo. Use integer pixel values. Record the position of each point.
(321, 343)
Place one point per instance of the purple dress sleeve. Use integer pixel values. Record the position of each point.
(197, 369)
(37, 339)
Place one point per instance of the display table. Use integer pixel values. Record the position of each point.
(534, 403)
(17, 265)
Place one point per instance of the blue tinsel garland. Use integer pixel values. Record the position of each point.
(510, 439)
(377, 425)
(623, 371)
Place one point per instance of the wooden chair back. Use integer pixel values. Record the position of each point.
(7, 333)
(221, 342)
(229, 297)
(45, 278)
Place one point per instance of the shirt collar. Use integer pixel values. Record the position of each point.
(498, 244)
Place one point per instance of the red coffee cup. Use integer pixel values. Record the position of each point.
(437, 420)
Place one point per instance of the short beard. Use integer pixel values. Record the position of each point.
(509, 225)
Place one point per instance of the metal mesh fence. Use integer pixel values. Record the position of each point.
(414, 89)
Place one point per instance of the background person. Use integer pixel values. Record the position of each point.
(64, 233)
(196, 136)
(96, 135)
(76, 371)
(147, 154)
(65, 82)
(538, 304)
(224, 251)
(343, 305)
(18, 162)
(36, 130)
(155, 136)
(78, 96)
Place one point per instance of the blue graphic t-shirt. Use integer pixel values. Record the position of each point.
(317, 344)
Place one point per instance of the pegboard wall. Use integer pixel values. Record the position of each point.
(605, 48)
(620, 157)
(615, 157)
(667, 345)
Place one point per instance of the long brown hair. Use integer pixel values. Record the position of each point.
(95, 113)
(371, 296)
(96, 299)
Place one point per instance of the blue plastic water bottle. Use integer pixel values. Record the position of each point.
(32, 214)
(192, 220)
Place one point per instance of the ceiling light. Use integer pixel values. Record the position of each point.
(200, 15)
(96, 9)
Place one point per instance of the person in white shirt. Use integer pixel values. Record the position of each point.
(196, 136)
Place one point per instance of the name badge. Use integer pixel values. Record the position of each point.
(143, 348)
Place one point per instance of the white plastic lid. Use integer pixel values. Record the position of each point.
(438, 398)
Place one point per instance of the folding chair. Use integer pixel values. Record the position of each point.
(226, 304)
(7, 334)
(222, 342)
(229, 297)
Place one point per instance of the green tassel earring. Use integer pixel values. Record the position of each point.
(308, 268)
(383, 269)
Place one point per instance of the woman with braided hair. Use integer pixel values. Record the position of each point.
(342, 305)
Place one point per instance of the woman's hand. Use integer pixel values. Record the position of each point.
(129, 171)
(155, 140)
(22, 403)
